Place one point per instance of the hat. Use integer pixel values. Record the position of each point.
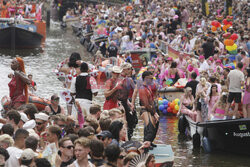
(126, 66)
(199, 30)
(33, 133)
(105, 134)
(176, 17)
(218, 61)
(201, 57)
(210, 58)
(116, 69)
(138, 38)
(170, 59)
(42, 116)
(28, 154)
(24, 117)
(29, 124)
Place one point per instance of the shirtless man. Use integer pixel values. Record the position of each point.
(148, 113)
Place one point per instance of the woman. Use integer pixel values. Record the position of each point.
(202, 91)
(18, 84)
(218, 110)
(150, 162)
(187, 102)
(119, 132)
(173, 73)
(246, 98)
(213, 98)
(66, 74)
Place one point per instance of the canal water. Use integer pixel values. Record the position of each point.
(59, 45)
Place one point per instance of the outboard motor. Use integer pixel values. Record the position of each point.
(196, 139)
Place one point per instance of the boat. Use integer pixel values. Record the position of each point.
(39, 102)
(164, 155)
(22, 35)
(171, 93)
(231, 135)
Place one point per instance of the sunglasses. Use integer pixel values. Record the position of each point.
(121, 156)
(56, 99)
(69, 147)
(39, 123)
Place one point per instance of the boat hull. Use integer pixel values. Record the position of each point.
(17, 38)
(224, 135)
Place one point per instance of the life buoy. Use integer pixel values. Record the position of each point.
(39, 102)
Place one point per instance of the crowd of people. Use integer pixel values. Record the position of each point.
(87, 134)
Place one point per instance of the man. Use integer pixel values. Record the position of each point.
(95, 111)
(82, 149)
(235, 82)
(106, 137)
(66, 148)
(193, 83)
(28, 158)
(208, 47)
(112, 152)
(84, 87)
(6, 141)
(60, 120)
(112, 52)
(4, 156)
(16, 151)
(31, 142)
(123, 94)
(7, 129)
(105, 122)
(53, 136)
(41, 123)
(32, 86)
(111, 91)
(54, 108)
(148, 113)
(97, 150)
(13, 118)
(203, 64)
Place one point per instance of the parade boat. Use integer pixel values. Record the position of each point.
(225, 135)
(164, 155)
(27, 34)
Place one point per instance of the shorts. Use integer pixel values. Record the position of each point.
(236, 96)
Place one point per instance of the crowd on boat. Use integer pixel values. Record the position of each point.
(213, 73)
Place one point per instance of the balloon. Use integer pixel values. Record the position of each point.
(224, 28)
(169, 110)
(176, 107)
(218, 24)
(179, 103)
(176, 101)
(228, 42)
(213, 28)
(165, 106)
(172, 105)
(164, 111)
(225, 22)
(230, 23)
(226, 35)
(161, 107)
(169, 105)
(160, 98)
(165, 101)
(169, 82)
(213, 23)
(229, 48)
(234, 37)
(175, 111)
(234, 47)
(234, 52)
(160, 102)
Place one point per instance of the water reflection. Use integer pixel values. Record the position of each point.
(59, 45)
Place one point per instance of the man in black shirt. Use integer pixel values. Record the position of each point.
(193, 83)
(112, 49)
(208, 48)
(66, 148)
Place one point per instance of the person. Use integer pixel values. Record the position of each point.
(97, 152)
(41, 124)
(212, 98)
(110, 92)
(123, 95)
(7, 129)
(84, 87)
(66, 152)
(118, 131)
(218, 111)
(112, 153)
(54, 108)
(150, 162)
(203, 64)
(245, 60)
(18, 85)
(42, 162)
(6, 141)
(69, 73)
(106, 137)
(31, 142)
(32, 86)
(95, 111)
(23, 120)
(193, 83)
(181, 62)
(28, 158)
(82, 149)
(148, 113)
(208, 47)
(13, 118)
(4, 156)
(16, 150)
(112, 52)
(235, 81)
(173, 73)
(187, 101)
(246, 97)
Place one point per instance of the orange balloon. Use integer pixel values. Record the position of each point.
(228, 42)
(224, 28)
(175, 111)
(213, 28)
(172, 105)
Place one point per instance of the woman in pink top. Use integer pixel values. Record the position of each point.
(212, 99)
(218, 112)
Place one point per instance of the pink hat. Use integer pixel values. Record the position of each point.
(218, 61)
(170, 59)
(176, 17)
(211, 58)
(201, 57)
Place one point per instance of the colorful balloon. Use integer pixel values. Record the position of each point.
(213, 28)
(169, 110)
(160, 102)
(229, 48)
(213, 23)
(176, 101)
(234, 37)
(225, 22)
(164, 111)
(172, 105)
(165, 101)
(228, 42)
(176, 107)
(161, 107)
